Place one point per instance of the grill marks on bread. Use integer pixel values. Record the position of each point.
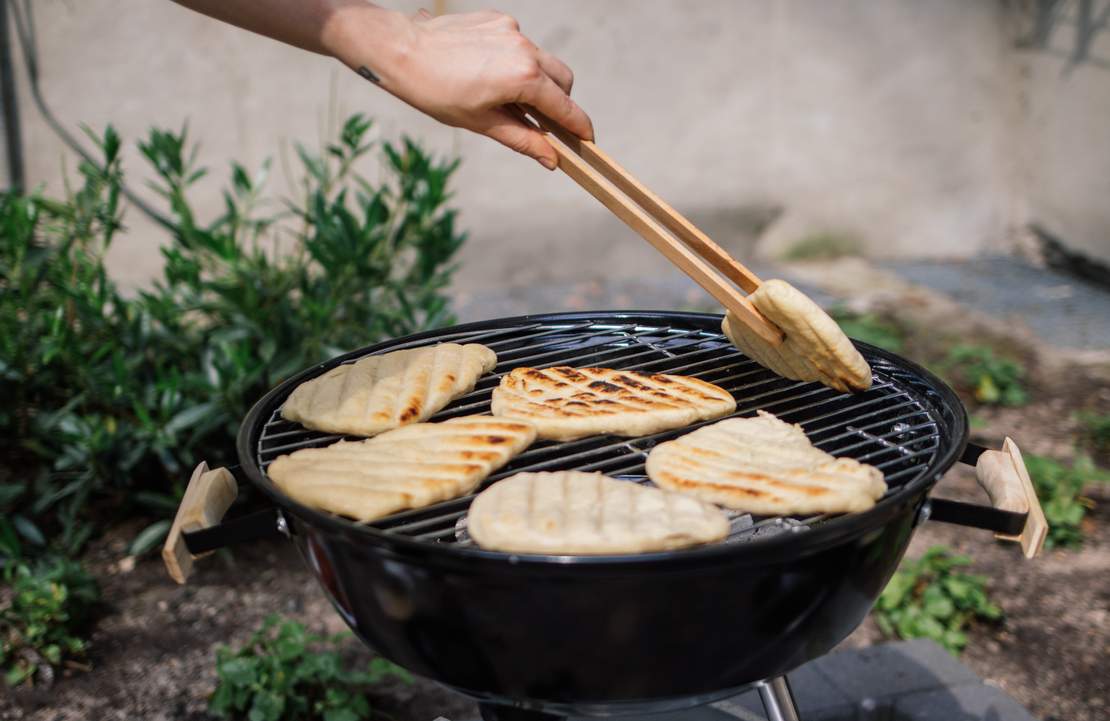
(584, 513)
(567, 403)
(380, 392)
(764, 466)
(814, 349)
(408, 467)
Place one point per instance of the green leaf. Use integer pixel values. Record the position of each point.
(341, 714)
(267, 706)
(238, 671)
(380, 668)
(10, 492)
(28, 530)
(959, 589)
(954, 641)
(897, 590)
(987, 391)
(9, 541)
(18, 674)
(150, 537)
(221, 703)
(937, 604)
(190, 417)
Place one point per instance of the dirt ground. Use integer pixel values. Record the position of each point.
(153, 649)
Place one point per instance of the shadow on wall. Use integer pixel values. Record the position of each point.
(1051, 21)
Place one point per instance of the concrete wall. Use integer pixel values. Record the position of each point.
(1066, 136)
(915, 128)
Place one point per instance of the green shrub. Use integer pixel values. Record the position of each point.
(1060, 490)
(992, 380)
(110, 399)
(870, 328)
(283, 673)
(930, 598)
(43, 617)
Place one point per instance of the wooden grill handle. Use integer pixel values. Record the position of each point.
(208, 496)
(1003, 475)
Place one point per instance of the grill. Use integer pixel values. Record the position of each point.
(892, 426)
(534, 636)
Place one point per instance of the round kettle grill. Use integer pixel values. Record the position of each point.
(544, 635)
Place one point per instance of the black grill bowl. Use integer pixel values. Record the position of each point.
(599, 635)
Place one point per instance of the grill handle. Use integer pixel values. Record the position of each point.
(198, 527)
(1015, 513)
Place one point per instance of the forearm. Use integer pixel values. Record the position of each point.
(313, 25)
(462, 70)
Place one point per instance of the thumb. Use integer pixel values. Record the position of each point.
(515, 135)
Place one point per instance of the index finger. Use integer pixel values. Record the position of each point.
(548, 98)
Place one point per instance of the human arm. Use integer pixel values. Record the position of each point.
(460, 69)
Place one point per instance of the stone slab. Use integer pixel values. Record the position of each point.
(1060, 309)
(904, 681)
(962, 703)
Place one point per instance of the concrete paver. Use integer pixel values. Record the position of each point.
(902, 681)
(1061, 310)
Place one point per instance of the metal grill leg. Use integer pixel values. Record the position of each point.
(778, 700)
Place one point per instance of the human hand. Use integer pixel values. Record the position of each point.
(463, 70)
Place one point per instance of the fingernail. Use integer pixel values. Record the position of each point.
(548, 163)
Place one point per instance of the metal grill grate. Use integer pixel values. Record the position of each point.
(888, 426)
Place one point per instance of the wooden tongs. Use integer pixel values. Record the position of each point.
(646, 213)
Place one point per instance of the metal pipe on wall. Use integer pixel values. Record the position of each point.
(9, 106)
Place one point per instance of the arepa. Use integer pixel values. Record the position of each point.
(408, 467)
(814, 347)
(763, 466)
(385, 391)
(566, 403)
(571, 512)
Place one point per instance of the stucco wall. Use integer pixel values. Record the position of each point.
(915, 128)
(1066, 148)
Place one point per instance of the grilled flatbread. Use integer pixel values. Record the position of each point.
(815, 348)
(763, 466)
(386, 391)
(566, 403)
(584, 513)
(407, 467)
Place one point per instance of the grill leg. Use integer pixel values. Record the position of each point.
(778, 700)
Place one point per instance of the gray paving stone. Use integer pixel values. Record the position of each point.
(748, 707)
(818, 699)
(962, 703)
(701, 713)
(905, 681)
(1060, 309)
(893, 669)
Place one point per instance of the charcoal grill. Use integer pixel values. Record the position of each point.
(543, 635)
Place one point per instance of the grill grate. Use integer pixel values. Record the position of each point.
(888, 426)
